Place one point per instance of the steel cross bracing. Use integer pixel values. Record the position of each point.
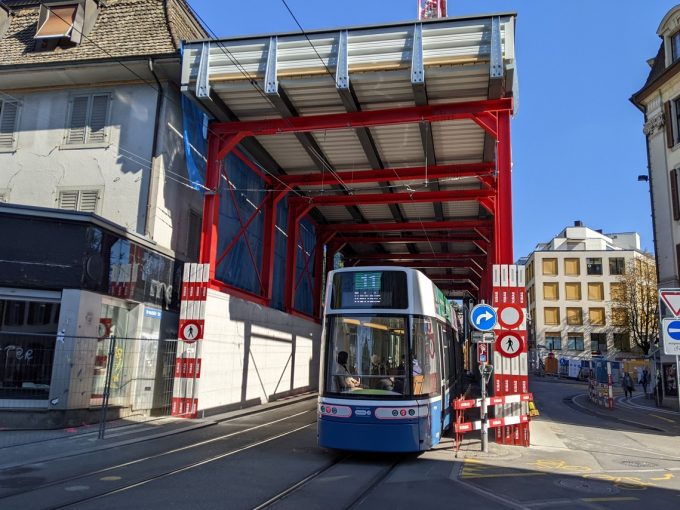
(490, 237)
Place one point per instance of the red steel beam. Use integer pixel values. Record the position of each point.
(418, 256)
(394, 198)
(409, 226)
(431, 113)
(413, 239)
(390, 174)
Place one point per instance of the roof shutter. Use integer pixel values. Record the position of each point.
(68, 200)
(100, 107)
(78, 125)
(675, 200)
(88, 201)
(8, 120)
(668, 121)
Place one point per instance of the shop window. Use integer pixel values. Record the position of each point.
(575, 342)
(594, 266)
(573, 291)
(553, 341)
(27, 339)
(551, 291)
(617, 266)
(572, 267)
(574, 316)
(598, 342)
(596, 316)
(550, 267)
(14, 313)
(551, 315)
(595, 291)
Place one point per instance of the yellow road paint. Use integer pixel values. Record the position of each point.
(619, 498)
(667, 476)
(662, 418)
(501, 475)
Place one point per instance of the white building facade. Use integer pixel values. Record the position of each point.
(659, 100)
(573, 284)
(95, 194)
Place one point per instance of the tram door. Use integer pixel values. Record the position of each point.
(444, 353)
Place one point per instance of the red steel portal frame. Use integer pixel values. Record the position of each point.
(494, 236)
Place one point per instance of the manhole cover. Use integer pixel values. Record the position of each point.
(638, 463)
(587, 486)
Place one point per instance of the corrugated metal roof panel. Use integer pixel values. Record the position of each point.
(378, 212)
(342, 148)
(399, 144)
(415, 211)
(460, 209)
(468, 136)
(289, 153)
(336, 214)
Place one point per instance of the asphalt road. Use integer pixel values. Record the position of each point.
(581, 456)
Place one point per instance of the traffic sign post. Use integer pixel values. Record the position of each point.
(482, 353)
(479, 337)
(483, 317)
(669, 299)
(509, 344)
(671, 342)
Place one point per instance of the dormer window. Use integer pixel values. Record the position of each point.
(65, 21)
(675, 46)
(58, 21)
(5, 15)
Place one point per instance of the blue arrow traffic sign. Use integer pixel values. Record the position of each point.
(484, 318)
(673, 329)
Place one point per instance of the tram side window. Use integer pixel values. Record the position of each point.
(364, 354)
(425, 357)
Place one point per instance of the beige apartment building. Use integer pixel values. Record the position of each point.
(573, 283)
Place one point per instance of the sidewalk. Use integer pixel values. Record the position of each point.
(19, 447)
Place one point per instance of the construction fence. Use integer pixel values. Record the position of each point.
(57, 381)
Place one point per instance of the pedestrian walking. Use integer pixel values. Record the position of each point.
(627, 384)
(644, 381)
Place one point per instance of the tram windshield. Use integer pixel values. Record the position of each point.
(366, 355)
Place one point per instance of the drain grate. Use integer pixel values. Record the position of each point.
(638, 463)
(587, 486)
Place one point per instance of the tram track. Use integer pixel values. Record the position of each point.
(155, 457)
(355, 499)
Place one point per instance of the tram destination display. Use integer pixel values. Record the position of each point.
(370, 289)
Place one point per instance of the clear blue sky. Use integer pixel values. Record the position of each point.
(578, 145)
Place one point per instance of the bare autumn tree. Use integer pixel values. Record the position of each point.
(638, 301)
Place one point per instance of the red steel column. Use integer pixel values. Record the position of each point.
(504, 200)
(211, 206)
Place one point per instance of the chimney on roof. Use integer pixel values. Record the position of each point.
(578, 223)
(599, 231)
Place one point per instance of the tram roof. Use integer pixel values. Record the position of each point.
(388, 68)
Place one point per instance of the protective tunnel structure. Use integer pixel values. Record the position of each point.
(389, 144)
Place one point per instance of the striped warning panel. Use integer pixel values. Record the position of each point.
(188, 362)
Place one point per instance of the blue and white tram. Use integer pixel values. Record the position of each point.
(391, 361)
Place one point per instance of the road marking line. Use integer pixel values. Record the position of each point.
(662, 418)
(667, 476)
(500, 475)
(618, 498)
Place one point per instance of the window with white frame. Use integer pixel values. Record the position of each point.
(675, 46)
(9, 117)
(79, 200)
(88, 119)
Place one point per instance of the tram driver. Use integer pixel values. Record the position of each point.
(343, 377)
